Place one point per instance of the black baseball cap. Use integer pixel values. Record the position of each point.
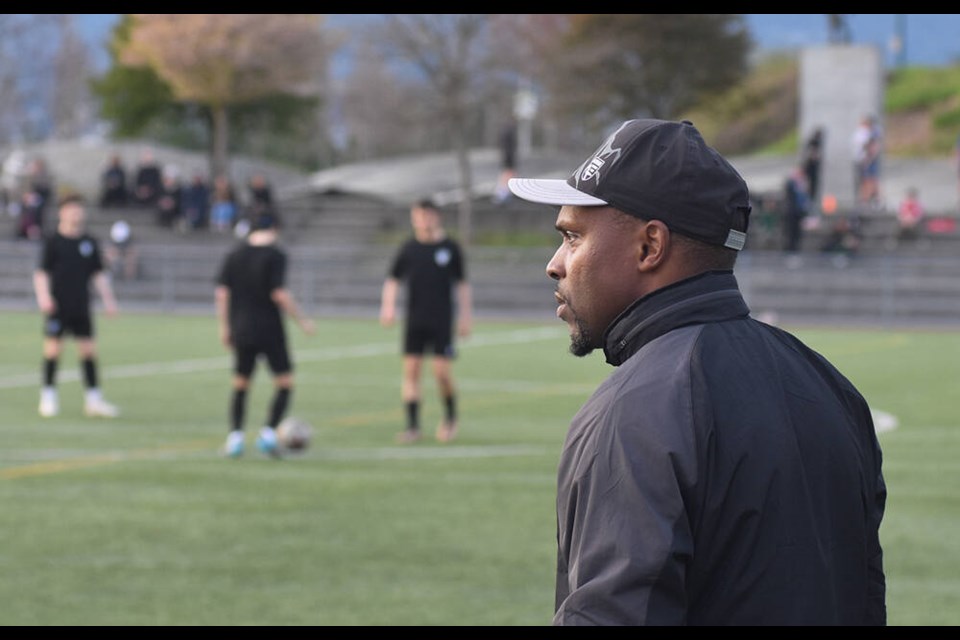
(656, 170)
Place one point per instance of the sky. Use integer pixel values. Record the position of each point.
(931, 38)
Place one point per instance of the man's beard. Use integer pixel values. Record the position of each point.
(581, 341)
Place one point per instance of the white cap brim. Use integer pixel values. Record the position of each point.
(556, 192)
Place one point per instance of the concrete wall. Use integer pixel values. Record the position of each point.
(839, 84)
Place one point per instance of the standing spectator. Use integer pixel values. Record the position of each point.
(69, 261)
(148, 180)
(433, 267)
(122, 255)
(724, 473)
(113, 184)
(195, 203)
(251, 300)
(508, 162)
(956, 166)
(868, 150)
(223, 206)
(812, 161)
(796, 208)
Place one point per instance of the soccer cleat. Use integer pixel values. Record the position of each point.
(267, 442)
(49, 403)
(447, 431)
(408, 436)
(233, 447)
(99, 408)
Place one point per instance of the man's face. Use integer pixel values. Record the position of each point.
(596, 270)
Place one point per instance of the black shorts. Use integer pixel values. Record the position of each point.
(276, 353)
(439, 338)
(79, 325)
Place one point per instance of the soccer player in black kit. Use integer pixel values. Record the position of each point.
(251, 298)
(69, 260)
(433, 267)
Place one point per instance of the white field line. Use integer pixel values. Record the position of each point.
(217, 363)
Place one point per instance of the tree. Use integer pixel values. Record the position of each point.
(838, 28)
(33, 78)
(71, 107)
(224, 61)
(131, 96)
(447, 50)
(617, 66)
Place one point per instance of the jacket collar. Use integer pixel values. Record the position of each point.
(712, 296)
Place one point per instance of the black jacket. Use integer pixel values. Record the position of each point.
(724, 474)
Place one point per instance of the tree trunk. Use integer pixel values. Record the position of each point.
(218, 164)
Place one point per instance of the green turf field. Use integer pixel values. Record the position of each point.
(139, 521)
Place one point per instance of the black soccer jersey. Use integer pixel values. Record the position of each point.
(252, 273)
(430, 271)
(70, 264)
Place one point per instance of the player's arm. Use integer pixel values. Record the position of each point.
(285, 300)
(221, 298)
(41, 288)
(101, 282)
(388, 301)
(465, 308)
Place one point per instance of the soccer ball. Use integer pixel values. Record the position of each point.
(294, 434)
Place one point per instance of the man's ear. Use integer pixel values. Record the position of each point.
(653, 243)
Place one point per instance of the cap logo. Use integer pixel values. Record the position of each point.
(590, 170)
(592, 167)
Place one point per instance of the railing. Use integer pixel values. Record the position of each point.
(883, 289)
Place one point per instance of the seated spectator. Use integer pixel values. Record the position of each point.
(40, 185)
(113, 184)
(148, 180)
(29, 216)
(169, 211)
(845, 236)
(910, 215)
(796, 208)
(223, 206)
(260, 194)
(195, 203)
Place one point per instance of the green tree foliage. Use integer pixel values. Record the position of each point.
(191, 95)
(617, 66)
(132, 97)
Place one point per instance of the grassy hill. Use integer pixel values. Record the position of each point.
(921, 111)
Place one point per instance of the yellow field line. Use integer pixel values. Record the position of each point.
(70, 464)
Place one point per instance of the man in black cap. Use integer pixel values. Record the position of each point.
(724, 473)
(251, 298)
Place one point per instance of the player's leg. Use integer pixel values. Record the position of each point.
(413, 347)
(410, 394)
(244, 360)
(278, 358)
(52, 346)
(94, 404)
(444, 355)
